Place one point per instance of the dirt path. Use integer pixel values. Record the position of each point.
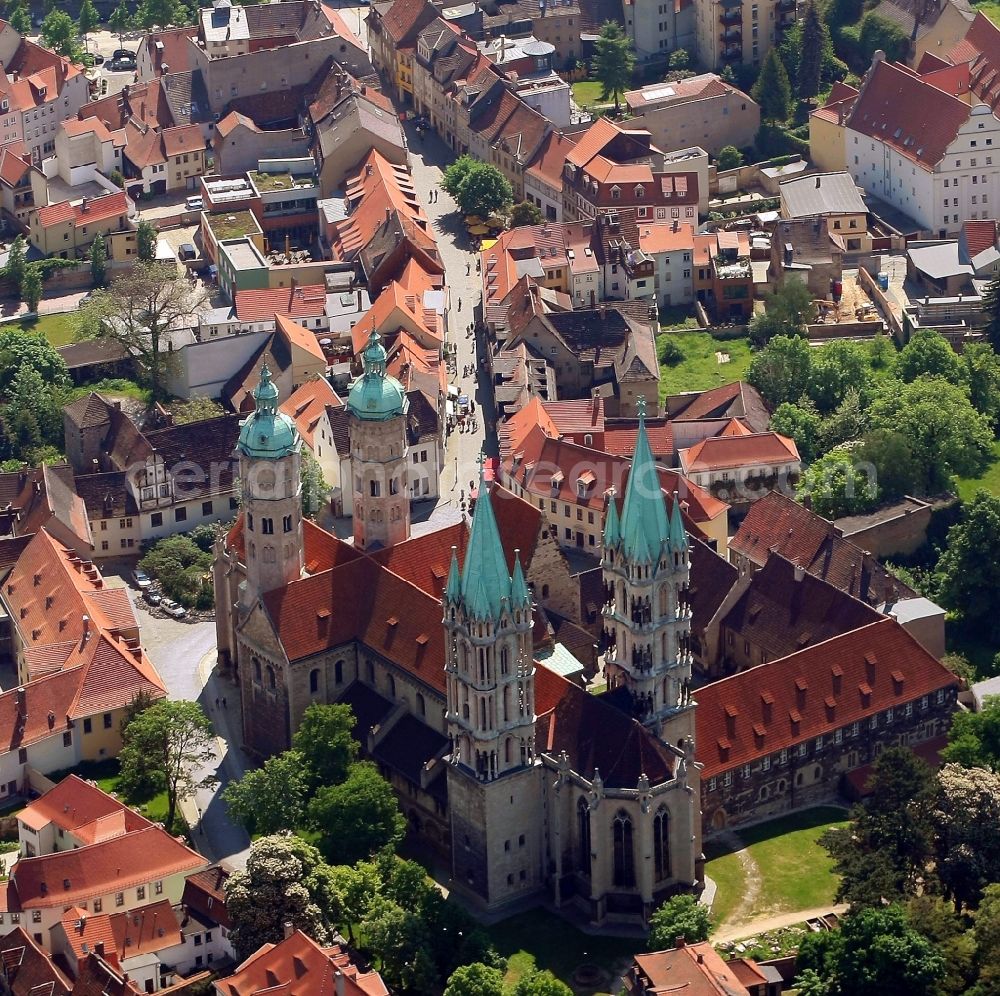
(732, 931)
(751, 873)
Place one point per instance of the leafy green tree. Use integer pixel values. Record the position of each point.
(839, 367)
(613, 63)
(457, 173)
(773, 91)
(789, 309)
(837, 485)
(59, 33)
(801, 423)
(19, 348)
(325, 739)
(974, 737)
(14, 269)
(679, 60)
(475, 980)
(680, 916)
(848, 421)
(891, 454)
(31, 288)
(525, 214)
(32, 414)
(88, 19)
(885, 850)
(138, 309)
(811, 54)
(315, 489)
(982, 375)
(781, 370)
(181, 567)
(120, 21)
(969, 567)
(928, 354)
(162, 13)
(115, 176)
(145, 237)
(356, 887)
(991, 307)
(166, 745)
(357, 817)
(966, 819)
(947, 434)
(878, 32)
(809, 982)
(272, 798)
(401, 939)
(986, 931)
(882, 955)
(20, 20)
(98, 261)
(729, 157)
(882, 353)
(285, 881)
(934, 919)
(479, 188)
(541, 984)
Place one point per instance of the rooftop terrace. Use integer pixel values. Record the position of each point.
(234, 225)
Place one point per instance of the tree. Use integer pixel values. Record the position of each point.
(115, 176)
(457, 173)
(837, 485)
(180, 566)
(929, 354)
(357, 817)
(475, 980)
(20, 20)
(969, 568)
(272, 798)
(781, 370)
(14, 268)
(541, 984)
(120, 21)
(59, 33)
(402, 941)
(974, 737)
(936, 920)
(839, 367)
(680, 916)
(885, 850)
(991, 308)
(986, 932)
(679, 60)
(31, 288)
(162, 13)
(772, 91)
(848, 421)
(801, 423)
(882, 955)
(98, 261)
(485, 191)
(315, 489)
(524, 214)
(88, 19)
(168, 744)
(356, 887)
(811, 53)
(145, 237)
(325, 739)
(30, 395)
(138, 309)
(982, 375)
(613, 63)
(878, 32)
(196, 410)
(20, 348)
(789, 309)
(966, 820)
(285, 881)
(891, 454)
(729, 157)
(947, 434)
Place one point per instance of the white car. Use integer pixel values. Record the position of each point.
(172, 608)
(141, 579)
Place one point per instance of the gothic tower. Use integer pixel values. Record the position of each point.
(494, 785)
(647, 620)
(377, 404)
(269, 451)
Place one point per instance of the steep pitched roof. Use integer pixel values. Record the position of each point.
(307, 406)
(301, 301)
(405, 19)
(28, 969)
(738, 451)
(81, 808)
(298, 336)
(811, 693)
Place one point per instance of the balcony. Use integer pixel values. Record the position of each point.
(786, 6)
(733, 34)
(732, 52)
(731, 16)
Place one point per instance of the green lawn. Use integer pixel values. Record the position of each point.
(796, 872)
(700, 370)
(990, 8)
(989, 479)
(587, 93)
(541, 940)
(58, 329)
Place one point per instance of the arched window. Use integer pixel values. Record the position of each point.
(482, 714)
(545, 591)
(267, 526)
(286, 523)
(338, 672)
(588, 439)
(256, 670)
(624, 858)
(583, 833)
(661, 844)
(250, 521)
(506, 703)
(504, 657)
(268, 554)
(314, 681)
(271, 681)
(421, 708)
(508, 750)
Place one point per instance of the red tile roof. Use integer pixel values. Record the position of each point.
(81, 808)
(812, 693)
(548, 162)
(692, 969)
(90, 211)
(619, 437)
(205, 894)
(296, 335)
(144, 930)
(28, 969)
(302, 301)
(405, 19)
(979, 235)
(307, 406)
(725, 452)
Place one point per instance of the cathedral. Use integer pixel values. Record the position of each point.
(523, 785)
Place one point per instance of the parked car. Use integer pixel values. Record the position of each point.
(98, 59)
(151, 597)
(187, 251)
(141, 579)
(195, 203)
(172, 608)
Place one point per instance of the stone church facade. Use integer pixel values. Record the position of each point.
(530, 787)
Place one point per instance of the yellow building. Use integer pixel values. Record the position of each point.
(827, 143)
(67, 229)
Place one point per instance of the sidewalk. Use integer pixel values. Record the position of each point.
(751, 928)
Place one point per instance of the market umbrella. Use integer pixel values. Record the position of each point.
(478, 230)
(473, 219)
(488, 244)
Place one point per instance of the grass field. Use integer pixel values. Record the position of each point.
(796, 873)
(989, 479)
(587, 93)
(540, 940)
(700, 370)
(58, 329)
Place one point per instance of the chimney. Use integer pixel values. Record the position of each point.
(340, 984)
(99, 948)
(388, 214)
(603, 309)
(22, 701)
(287, 928)
(86, 628)
(679, 941)
(701, 958)
(83, 205)
(799, 571)
(818, 181)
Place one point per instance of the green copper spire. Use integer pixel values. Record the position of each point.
(267, 434)
(485, 581)
(520, 597)
(375, 396)
(612, 525)
(454, 587)
(644, 526)
(678, 535)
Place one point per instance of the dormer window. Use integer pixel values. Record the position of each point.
(640, 191)
(616, 193)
